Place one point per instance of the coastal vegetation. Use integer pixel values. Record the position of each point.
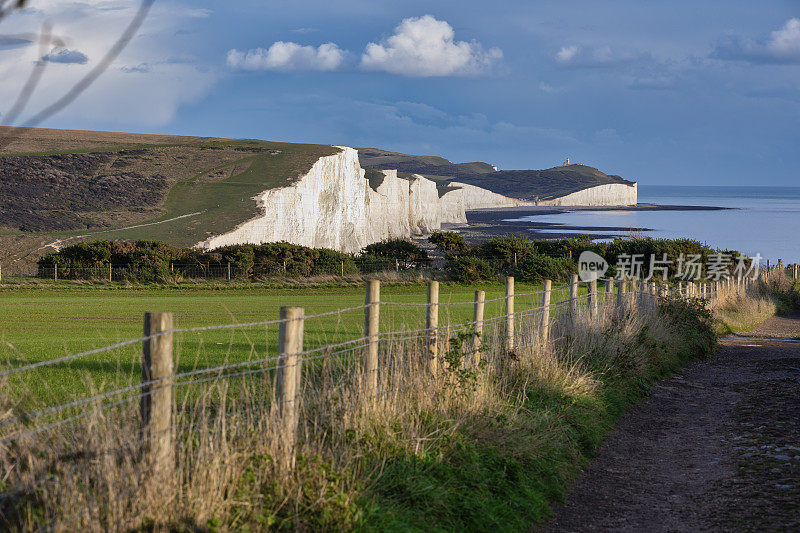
(479, 446)
(529, 261)
(474, 447)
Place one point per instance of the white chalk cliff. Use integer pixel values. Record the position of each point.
(600, 195)
(334, 206)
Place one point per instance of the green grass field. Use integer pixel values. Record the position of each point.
(53, 320)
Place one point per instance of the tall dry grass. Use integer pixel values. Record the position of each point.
(740, 308)
(231, 470)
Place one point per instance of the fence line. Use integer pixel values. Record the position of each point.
(367, 370)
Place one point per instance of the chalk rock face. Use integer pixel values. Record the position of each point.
(387, 209)
(601, 195)
(423, 218)
(324, 208)
(333, 206)
(478, 198)
(613, 194)
(452, 207)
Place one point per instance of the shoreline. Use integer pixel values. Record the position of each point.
(485, 224)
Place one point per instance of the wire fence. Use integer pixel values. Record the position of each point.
(168, 412)
(220, 272)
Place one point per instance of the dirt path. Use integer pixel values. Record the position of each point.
(714, 448)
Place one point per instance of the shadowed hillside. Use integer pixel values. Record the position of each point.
(544, 184)
(427, 165)
(522, 184)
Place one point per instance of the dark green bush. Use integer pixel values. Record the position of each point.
(399, 249)
(468, 269)
(540, 267)
(449, 242)
(505, 252)
(158, 262)
(333, 262)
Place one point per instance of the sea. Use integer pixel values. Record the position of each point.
(761, 220)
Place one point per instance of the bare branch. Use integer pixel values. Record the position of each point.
(87, 80)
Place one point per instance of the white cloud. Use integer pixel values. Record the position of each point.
(142, 87)
(549, 89)
(585, 56)
(424, 46)
(288, 56)
(783, 46)
(65, 55)
(567, 54)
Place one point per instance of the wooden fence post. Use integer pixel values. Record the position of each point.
(156, 402)
(1, 273)
(609, 296)
(290, 346)
(621, 298)
(546, 288)
(477, 326)
(372, 333)
(573, 295)
(229, 271)
(593, 297)
(432, 325)
(632, 290)
(509, 314)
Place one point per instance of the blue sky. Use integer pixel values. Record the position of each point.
(681, 92)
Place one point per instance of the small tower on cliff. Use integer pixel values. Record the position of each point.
(566, 163)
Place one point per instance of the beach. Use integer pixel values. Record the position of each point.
(483, 224)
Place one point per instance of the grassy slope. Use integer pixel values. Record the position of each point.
(431, 166)
(225, 203)
(550, 183)
(228, 202)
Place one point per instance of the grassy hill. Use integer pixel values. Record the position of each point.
(427, 165)
(545, 184)
(523, 184)
(59, 184)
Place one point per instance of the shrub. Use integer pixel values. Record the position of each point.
(541, 267)
(399, 249)
(333, 262)
(505, 252)
(152, 261)
(470, 269)
(449, 241)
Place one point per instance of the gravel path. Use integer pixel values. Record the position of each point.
(714, 448)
